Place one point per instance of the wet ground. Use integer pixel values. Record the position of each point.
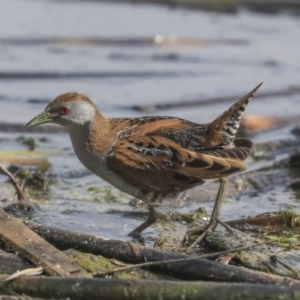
(125, 55)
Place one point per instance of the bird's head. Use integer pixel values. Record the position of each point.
(67, 109)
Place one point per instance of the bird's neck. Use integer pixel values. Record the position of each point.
(93, 136)
(100, 136)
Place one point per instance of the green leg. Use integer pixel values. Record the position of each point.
(214, 219)
(151, 219)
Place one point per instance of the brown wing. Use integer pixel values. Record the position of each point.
(191, 136)
(159, 165)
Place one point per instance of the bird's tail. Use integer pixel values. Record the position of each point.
(222, 131)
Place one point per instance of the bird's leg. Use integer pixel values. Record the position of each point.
(214, 219)
(151, 219)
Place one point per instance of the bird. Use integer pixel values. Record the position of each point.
(153, 158)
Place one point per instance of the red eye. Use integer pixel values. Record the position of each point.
(64, 110)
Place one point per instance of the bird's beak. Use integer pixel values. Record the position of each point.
(42, 118)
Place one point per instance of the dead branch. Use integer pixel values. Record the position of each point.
(20, 192)
(92, 288)
(36, 249)
(196, 269)
(155, 263)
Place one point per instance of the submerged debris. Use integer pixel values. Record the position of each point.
(29, 142)
(275, 221)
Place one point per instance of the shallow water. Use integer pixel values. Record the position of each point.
(126, 55)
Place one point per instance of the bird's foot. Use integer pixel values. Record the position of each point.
(151, 219)
(137, 237)
(204, 230)
(135, 234)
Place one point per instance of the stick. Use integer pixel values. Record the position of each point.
(193, 269)
(153, 263)
(20, 193)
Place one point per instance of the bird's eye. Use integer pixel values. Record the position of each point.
(64, 110)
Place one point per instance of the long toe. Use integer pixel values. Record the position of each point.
(211, 227)
(202, 230)
(226, 226)
(191, 232)
(135, 234)
(207, 229)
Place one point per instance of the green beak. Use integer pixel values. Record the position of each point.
(42, 118)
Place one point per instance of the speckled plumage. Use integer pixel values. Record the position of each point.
(184, 153)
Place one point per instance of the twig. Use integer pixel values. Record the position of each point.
(20, 193)
(26, 272)
(152, 263)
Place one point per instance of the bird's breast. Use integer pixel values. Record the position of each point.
(96, 163)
